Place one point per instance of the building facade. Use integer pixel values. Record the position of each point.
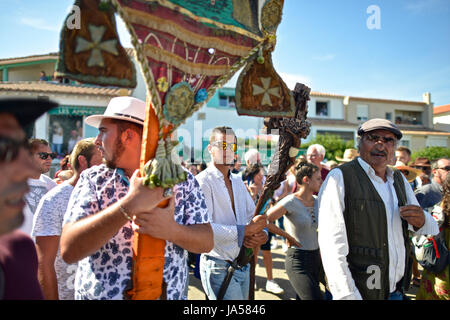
(329, 113)
(441, 117)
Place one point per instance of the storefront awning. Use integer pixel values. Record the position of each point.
(77, 110)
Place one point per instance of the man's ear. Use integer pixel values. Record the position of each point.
(83, 162)
(127, 136)
(209, 148)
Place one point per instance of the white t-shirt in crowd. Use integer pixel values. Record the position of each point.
(38, 188)
(48, 221)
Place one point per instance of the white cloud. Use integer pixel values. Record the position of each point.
(38, 23)
(419, 6)
(326, 57)
(292, 79)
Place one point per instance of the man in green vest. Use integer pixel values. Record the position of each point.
(366, 211)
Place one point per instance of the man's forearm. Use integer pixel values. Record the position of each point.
(48, 281)
(84, 237)
(195, 238)
(47, 249)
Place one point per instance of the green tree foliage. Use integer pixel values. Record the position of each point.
(432, 153)
(333, 144)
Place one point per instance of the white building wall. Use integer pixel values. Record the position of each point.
(335, 108)
(314, 130)
(436, 141)
(442, 119)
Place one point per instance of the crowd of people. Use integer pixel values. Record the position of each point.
(345, 224)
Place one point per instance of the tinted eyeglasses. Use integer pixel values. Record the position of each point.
(45, 155)
(446, 168)
(225, 145)
(10, 148)
(423, 168)
(375, 138)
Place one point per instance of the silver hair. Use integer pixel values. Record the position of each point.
(251, 156)
(320, 149)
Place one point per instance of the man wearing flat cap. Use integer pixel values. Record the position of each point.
(366, 210)
(18, 258)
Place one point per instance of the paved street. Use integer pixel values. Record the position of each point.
(279, 274)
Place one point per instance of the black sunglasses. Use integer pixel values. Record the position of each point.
(375, 138)
(421, 167)
(45, 155)
(446, 168)
(10, 148)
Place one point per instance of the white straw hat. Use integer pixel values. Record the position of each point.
(121, 108)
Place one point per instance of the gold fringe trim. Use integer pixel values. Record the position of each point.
(182, 64)
(183, 34)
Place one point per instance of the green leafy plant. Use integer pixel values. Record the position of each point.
(333, 144)
(432, 153)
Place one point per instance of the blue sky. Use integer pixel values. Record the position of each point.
(325, 44)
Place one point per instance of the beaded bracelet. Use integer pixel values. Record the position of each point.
(125, 214)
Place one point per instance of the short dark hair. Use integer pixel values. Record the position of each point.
(86, 148)
(223, 130)
(35, 143)
(124, 125)
(304, 169)
(251, 171)
(404, 149)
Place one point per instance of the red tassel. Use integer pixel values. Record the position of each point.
(435, 247)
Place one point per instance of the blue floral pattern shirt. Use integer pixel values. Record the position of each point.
(106, 274)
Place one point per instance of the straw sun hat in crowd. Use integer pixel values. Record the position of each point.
(409, 172)
(349, 155)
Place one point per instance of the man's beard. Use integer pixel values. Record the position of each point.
(112, 163)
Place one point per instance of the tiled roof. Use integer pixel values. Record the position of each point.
(52, 55)
(331, 122)
(46, 56)
(427, 131)
(49, 87)
(441, 109)
(332, 95)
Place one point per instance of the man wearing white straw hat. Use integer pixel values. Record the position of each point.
(110, 201)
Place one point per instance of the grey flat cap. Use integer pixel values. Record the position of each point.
(379, 124)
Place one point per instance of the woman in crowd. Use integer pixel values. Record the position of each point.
(303, 263)
(435, 286)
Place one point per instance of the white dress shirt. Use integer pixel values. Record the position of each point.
(333, 237)
(228, 229)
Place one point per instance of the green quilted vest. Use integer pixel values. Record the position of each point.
(366, 225)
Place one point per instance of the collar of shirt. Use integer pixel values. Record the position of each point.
(371, 172)
(216, 172)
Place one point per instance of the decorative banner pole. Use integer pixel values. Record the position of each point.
(148, 252)
(186, 51)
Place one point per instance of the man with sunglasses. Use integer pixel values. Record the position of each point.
(366, 210)
(40, 183)
(18, 259)
(431, 194)
(231, 211)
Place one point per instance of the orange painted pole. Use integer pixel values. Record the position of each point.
(148, 252)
